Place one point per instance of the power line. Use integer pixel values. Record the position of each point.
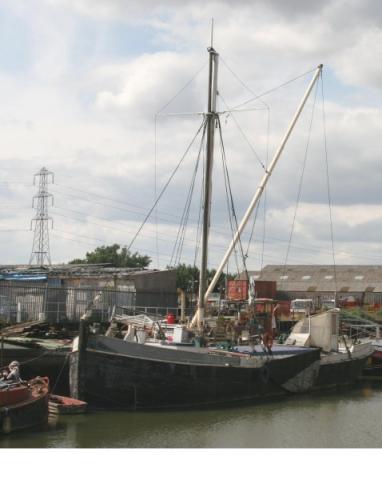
(166, 184)
(100, 241)
(164, 237)
(98, 195)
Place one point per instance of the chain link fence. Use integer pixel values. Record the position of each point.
(60, 305)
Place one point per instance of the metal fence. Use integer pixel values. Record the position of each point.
(67, 305)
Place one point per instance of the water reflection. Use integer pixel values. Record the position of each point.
(347, 419)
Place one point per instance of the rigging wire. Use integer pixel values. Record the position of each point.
(263, 200)
(233, 220)
(272, 258)
(267, 92)
(273, 240)
(155, 189)
(264, 196)
(180, 114)
(141, 214)
(242, 83)
(109, 222)
(257, 109)
(244, 136)
(182, 89)
(166, 185)
(252, 230)
(216, 246)
(328, 183)
(159, 113)
(265, 189)
(249, 143)
(300, 184)
(178, 246)
(228, 204)
(123, 229)
(200, 212)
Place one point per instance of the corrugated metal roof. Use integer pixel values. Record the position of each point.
(321, 278)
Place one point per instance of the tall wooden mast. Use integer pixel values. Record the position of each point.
(207, 188)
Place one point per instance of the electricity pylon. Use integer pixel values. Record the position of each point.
(40, 250)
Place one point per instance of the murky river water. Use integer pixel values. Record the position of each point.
(351, 418)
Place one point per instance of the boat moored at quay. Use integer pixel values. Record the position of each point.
(122, 373)
(113, 373)
(130, 371)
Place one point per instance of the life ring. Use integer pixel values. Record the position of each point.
(268, 340)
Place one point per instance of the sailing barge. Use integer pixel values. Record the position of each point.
(123, 373)
(113, 373)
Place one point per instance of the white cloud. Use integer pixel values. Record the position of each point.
(358, 63)
(91, 121)
(145, 83)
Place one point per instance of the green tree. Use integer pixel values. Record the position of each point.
(221, 283)
(187, 278)
(115, 256)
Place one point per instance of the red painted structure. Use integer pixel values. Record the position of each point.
(237, 290)
(59, 405)
(13, 395)
(24, 406)
(265, 289)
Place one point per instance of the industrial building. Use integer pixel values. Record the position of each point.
(360, 284)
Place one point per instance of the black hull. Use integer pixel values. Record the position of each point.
(109, 379)
(372, 372)
(344, 372)
(373, 368)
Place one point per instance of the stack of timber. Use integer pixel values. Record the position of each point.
(23, 328)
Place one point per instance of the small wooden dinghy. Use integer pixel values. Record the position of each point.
(59, 405)
(24, 405)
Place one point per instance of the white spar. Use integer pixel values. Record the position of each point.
(259, 190)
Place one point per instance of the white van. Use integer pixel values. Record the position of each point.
(302, 307)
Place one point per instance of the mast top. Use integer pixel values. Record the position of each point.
(212, 35)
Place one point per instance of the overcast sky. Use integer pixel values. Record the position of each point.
(81, 84)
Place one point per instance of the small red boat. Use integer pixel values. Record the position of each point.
(24, 405)
(59, 405)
